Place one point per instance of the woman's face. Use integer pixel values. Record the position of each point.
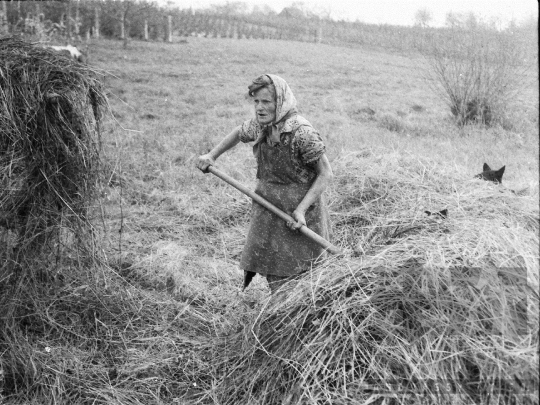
(265, 106)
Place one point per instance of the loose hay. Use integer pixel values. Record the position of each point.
(425, 311)
(50, 108)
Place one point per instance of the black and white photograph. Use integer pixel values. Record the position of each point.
(255, 202)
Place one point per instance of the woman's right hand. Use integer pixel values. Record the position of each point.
(204, 161)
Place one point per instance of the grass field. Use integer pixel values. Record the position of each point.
(175, 326)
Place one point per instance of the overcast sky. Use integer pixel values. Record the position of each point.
(396, 12)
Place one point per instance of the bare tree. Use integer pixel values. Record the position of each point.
(453, 20)
(477, 70)
(423, 17)
(128, 10)
(464, 21)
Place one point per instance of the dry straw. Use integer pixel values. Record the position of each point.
(424, 310)
(50, 108)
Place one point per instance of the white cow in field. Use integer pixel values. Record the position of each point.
(71, 51)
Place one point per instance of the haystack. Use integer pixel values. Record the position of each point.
(50, 109)
(422, 310)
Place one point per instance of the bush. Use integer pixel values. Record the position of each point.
(477, 70)
(392, 123)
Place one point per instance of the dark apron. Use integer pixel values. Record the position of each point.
(271, 247)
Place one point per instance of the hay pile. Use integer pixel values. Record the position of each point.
(424, 311)
(50, 108)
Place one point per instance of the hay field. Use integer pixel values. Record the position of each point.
(419, 310)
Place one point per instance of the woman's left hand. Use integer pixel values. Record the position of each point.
(300, 220)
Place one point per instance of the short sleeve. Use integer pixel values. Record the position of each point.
(309, 144)
(249, 131)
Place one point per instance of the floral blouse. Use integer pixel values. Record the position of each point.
(306, 145)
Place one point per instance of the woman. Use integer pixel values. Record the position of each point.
(292, 171)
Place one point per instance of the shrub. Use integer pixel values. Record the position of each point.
(392, 123)
(477, 70)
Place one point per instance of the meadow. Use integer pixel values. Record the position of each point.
(174, 325)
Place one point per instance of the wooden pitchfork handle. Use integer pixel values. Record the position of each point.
(272, 208)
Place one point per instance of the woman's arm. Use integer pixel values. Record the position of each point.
(226, 143)
(323, 179)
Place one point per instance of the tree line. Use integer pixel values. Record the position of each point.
(141, 19)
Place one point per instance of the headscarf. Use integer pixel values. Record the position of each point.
(285, 100)
(285, 106)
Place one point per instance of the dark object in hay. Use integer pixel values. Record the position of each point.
(50, 109)
(248, 276)
(475, 110)
(491, 175)
(441, 213)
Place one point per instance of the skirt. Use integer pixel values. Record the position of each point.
(271, 247)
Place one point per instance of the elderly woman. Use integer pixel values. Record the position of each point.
(292, 171)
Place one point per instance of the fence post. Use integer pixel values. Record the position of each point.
(68, 20)
(169, 28)
(77, 20)
(319, 33)
(122, 29)
(3, 19)
(96, 23)
(146, 30)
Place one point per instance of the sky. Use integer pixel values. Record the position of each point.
(394, 12)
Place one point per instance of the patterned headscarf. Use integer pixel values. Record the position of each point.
(285, 107)
(285, 100)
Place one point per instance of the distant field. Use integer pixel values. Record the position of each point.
(177, 100)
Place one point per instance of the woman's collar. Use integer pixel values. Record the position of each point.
(285, 125)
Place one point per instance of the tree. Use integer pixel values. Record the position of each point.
(472, 22)
(264, 10)
(423, 17)
(453, 20)
(125, 12)
(230, 8)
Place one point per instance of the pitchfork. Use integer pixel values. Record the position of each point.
(272, 208)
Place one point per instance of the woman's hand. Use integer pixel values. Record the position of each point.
(226, 143)
(204, 161)
(300, 218)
